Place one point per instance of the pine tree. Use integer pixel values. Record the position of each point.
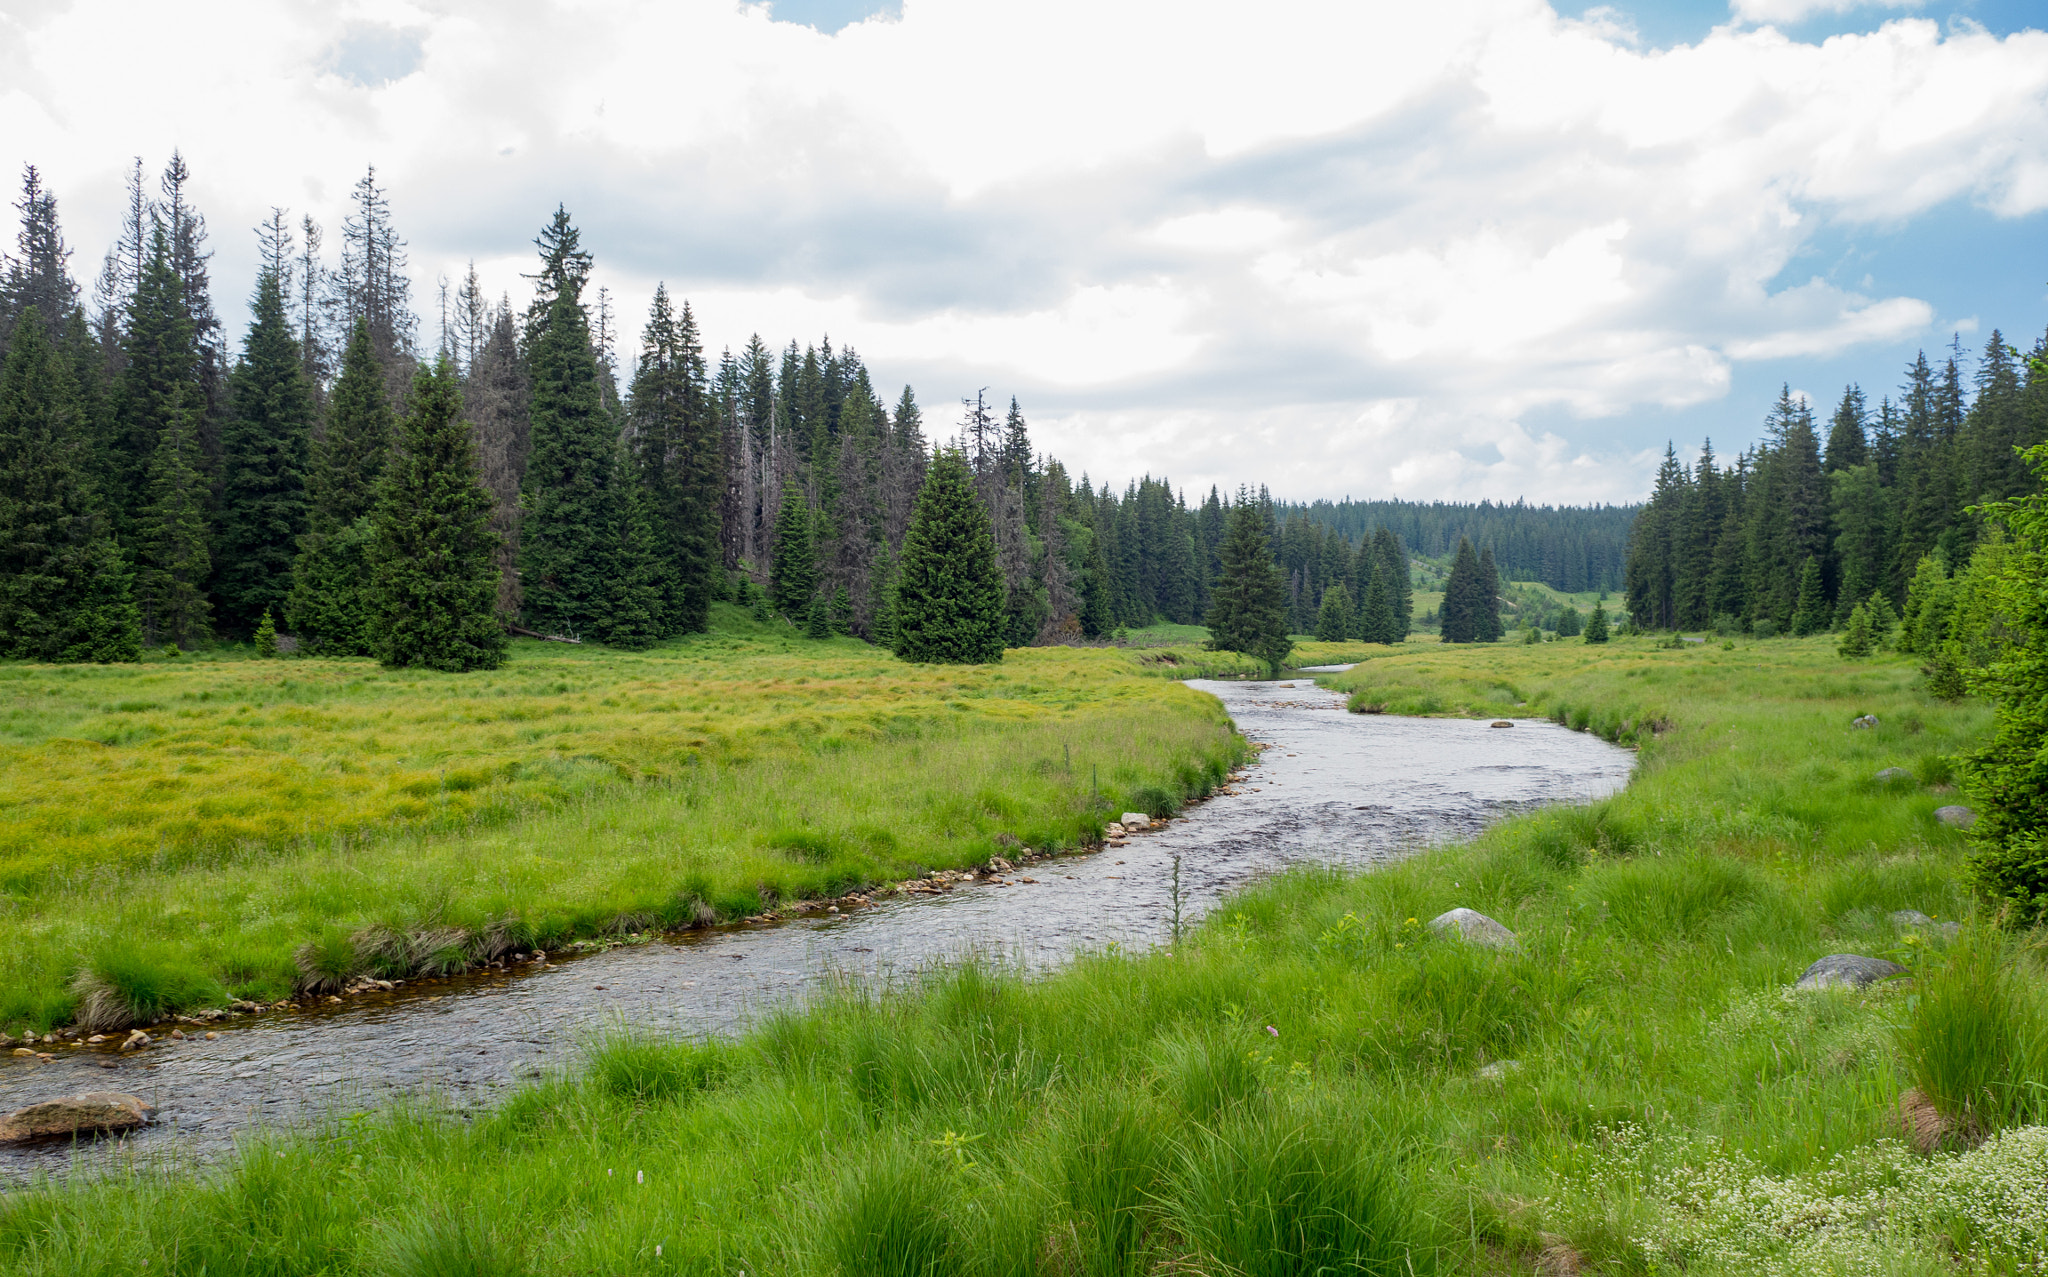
(677, 439)
(1487, 607)
(1458, 616)
(496, 397)
(329, 605)
(172, 557)
(433, 579)
(568, 536)
(1856, 635)
(818, 620)
(1333, 620)
(793, 579)
(2009, 775)
(263, 505)
(266, 636)
(1812, 614)
(1376, 620)
(949, 594)
(1248, 603)
(158, 358)
(1569, 623)
(641, 607)
(1596, 624)
(64, 590)
(882, 601)
(1392, 558)
(1098, 613)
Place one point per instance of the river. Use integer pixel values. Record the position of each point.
(1328, 788)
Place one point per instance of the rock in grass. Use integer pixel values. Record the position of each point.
(92, 1111)
(1955, 817)
(1866, 722)
(1848, 971)
(1892, 775)
(1470, 924)
(1136, 820)
(1909, 918)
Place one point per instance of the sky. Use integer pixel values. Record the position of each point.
(1464, 249)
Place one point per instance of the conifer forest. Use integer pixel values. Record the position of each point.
(179, 485)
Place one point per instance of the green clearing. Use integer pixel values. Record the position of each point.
(1313, 1082)
(180, 832)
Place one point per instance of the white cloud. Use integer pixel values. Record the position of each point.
(1330, 245)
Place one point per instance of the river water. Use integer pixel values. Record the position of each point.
(1329, 788)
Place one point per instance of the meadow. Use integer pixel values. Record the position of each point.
(1313, 1081)
(201, 828)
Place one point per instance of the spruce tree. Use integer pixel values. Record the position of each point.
(1098, 613)
(568, 538)
(1596, 624)
(2009, 775)
(1856, 635)
(1376, 620)
(882, 600)
(433, 577)
(793, 578)
(1487, 605)
(64, 589)
(1333, 619)
(642, 608)
(1569, 623)
(173, 558)
(949, 593)
(263, 506)
(818, 621)
(676, 437)
(1392, 558)
(329, 606)
(157, 358)
(1458, 616)
(1248, 603)
(1812, 614)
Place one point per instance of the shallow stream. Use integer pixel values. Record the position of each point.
(1329, 788)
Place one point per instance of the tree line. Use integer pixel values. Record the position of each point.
(1808, 525)
(1569, 548)
(163, 490)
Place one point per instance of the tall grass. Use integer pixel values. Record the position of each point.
(1312, 1081)
(1977, 1037)
(841, 767)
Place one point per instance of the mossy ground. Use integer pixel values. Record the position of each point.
(1312, 1080)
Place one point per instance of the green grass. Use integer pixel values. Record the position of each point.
(1313, 1081)
(323, 822)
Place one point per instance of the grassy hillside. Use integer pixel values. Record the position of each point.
(181, 832)
(1315, 1081)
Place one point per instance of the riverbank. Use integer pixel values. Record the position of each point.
(1313, 1074)
(184, 834)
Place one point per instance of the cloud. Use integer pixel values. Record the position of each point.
(1331, 245)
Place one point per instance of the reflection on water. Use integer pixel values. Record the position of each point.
(1330, 788)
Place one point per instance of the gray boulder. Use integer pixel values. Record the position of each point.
(72, 1115)
(1135, 820)
(1909, 918)
(1955, 817)
(1470, 924)
(1866, 722)
(1893, 775)
(1848, 971)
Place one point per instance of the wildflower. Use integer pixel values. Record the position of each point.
(639, 1177)
(1270, 1029)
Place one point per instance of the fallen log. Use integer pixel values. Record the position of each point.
(522, 632)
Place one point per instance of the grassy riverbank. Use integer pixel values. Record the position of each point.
(180, 832)
(1312, 1080)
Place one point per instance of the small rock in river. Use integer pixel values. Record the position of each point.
(1955, 817)
(1474, 926)
(211, 1036)
(1136, 820)
(1848, 971)
(136, 1041)
(92, 1111)
(1501, 722)
(22, 1050)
